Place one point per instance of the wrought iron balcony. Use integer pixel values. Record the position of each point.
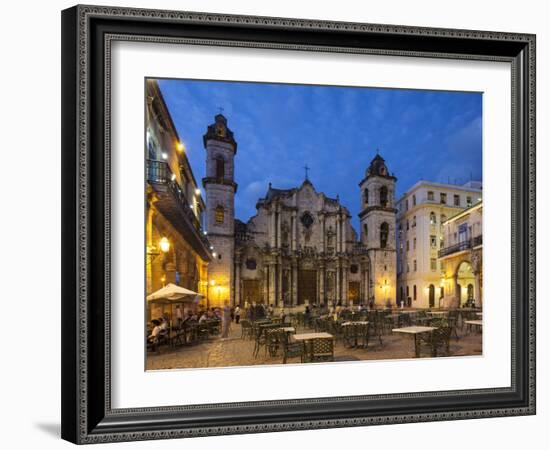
(461, 246)
(175, 206)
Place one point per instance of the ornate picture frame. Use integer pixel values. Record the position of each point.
(87, 35)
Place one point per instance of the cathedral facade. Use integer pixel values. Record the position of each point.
(300, 247)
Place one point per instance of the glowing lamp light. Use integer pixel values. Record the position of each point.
(212, 282)
(173, 177)
(164, 155)
(197, 192)
(205, 232)
(164, 245)
(214, 254)
(180, 147)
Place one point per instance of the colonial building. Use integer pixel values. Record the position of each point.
(422, 212)
(461, 258)
(300, 247)
(177, 247)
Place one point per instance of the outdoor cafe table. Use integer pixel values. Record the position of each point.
(476, 323)
(355, 322)
(310, 336)
(414, 331)
(438, 313)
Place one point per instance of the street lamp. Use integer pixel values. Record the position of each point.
(164, 245)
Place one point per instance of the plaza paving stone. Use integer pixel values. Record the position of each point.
(234, 351)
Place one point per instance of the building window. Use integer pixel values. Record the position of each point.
(408, 292)
(414, 222)
(407, 245)
(384, 196)
(220, 168)
(414, 292)
(433, 220)
(406, 204)
(414, 244)
(415, 266)
(354, 268)
(408, 268)
(407, 224)
(384, 231)
(468, 201)
(431, 195)
(456, 200)
(433, 264)
(366, 230)
(443, 198)
(433, 241)
(366, 194)
(414, 200)
(441, 242)
(251, 264)
(219, 214)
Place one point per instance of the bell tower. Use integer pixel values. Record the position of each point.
(378, 222)
(220, 189)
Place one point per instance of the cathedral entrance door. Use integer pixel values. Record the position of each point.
(353, 292)
(307, 287)
(251, 292)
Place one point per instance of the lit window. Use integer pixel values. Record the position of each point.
(433, 220)
(219, 213)
(433, 241)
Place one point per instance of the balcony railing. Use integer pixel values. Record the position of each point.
(159, 173)
(478, 240)
(461, 246)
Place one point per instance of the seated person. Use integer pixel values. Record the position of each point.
(204, 316)
(155, 332)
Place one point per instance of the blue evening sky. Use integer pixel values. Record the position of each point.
(429, 135)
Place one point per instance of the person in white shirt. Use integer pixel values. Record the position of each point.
(237, 314)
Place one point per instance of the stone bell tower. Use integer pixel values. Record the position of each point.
(220, 190)
(378, 222)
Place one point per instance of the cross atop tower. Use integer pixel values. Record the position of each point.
(306, 168)
(221, 109)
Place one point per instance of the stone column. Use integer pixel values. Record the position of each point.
(272, 284)
(273, 230)
(265, 287)
(295, 229)
(237, 296)
(477, 289)
(279, 240)
(279, 294)
(337, 294)
(321, 293)
(345, 283)
(294, 288)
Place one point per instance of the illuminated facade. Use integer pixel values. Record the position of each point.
(461, 258)
(422, 212)
(300, 247)
(177, 249)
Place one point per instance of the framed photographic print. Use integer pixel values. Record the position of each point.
(282, 224)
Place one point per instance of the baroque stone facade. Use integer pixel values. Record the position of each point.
(300, 248)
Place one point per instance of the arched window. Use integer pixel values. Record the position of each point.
(384, 196)
(366, 230)
(366, 196)
(219, 214)
(433, 220)
(220, 168)
(384, 231)
(414, 292)
(414, 200)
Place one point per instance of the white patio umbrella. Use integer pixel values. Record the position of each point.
(172, 293)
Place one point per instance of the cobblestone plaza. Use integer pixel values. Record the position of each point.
(235, 351)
